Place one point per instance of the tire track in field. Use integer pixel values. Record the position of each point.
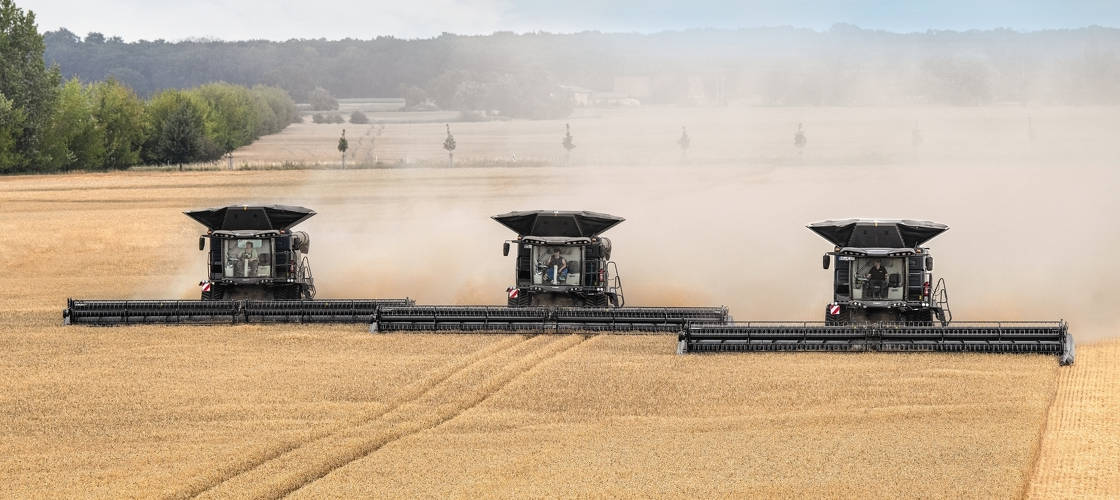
(411, 392)
(441, 402)
(501, 381)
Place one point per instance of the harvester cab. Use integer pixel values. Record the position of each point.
(562, 259)
(882, 272)
(254, 254)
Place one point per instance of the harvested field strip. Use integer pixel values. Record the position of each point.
(444, 400)
(245, 464)
(1080, 450)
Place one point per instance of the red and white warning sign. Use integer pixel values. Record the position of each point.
(512, 293)
(205, 286)
(834, 309)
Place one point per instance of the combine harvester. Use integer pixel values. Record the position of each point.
(257, 272)
(882, 301)
(564, 281)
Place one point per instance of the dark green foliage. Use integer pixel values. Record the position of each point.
(327, 118)
(449, 142)
(10, 122)
(31, 92)
(321, 100)
(176, 122)
(120, 115)
(75, 126)
(358, 117)
(46, 126)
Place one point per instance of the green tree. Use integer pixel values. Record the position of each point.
(343, 145)
(30, 87)
(120, 114)
(231, 118)
(284, 109)
(77, 129)
(177, 128)
(449, 145)
(358, 117)
(321, 100)
(10, 122)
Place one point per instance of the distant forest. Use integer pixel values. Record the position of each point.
(522, 74)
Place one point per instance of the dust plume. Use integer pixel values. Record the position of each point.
(1030, 233)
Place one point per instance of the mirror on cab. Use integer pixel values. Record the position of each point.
(505, 249)
(201, 243)
(929, 263)
(824, 262)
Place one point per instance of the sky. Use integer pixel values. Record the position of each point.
(335, 19)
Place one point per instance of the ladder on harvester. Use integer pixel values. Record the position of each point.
(308, 278)
(940, 299)
(615, 282)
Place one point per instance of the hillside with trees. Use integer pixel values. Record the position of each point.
(520, 74)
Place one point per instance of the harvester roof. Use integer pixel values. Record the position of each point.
(245, 217)
(877, 233)
(557, 223)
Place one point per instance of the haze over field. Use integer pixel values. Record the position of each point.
(333, 410)
(997, 118)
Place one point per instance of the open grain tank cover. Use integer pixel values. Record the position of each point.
(244, 217)
(557, 223)
(877, 233)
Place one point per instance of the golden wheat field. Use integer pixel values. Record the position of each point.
(271, 411)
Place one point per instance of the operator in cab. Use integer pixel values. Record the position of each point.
(556, 263)
(245, 264)
(248, 252)
(877, 276)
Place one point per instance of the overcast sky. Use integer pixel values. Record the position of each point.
(333, 19)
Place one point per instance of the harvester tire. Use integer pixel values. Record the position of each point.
(522, 300)
(843, 318)
(215, 293)
(596, 301)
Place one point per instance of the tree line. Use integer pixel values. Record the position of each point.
(522, 74)
(47, 125)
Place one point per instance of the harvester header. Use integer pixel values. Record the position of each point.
(877, 233)
(250, 218)
(558, 223)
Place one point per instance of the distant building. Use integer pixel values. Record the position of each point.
(578, 96)
(608, 99)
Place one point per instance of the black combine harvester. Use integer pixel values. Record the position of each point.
(564, 282)
(562, 260)
(882, 302)
(257, 272)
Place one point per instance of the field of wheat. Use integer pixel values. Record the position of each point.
(267, 411)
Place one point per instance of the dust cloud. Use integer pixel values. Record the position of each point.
(1031, 216)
